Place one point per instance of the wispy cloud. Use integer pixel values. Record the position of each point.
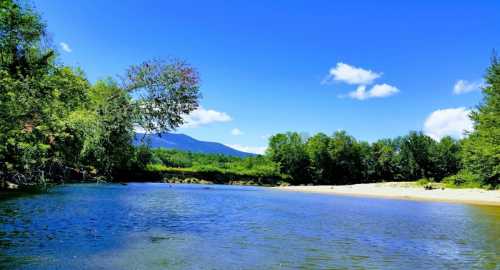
(464, 86)
(202, 116)
(377, 91)
(351, 75)
(448, 122)
(236, 132)
(249, 149)
(65, 47)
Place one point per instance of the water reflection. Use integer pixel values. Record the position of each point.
(153, 226)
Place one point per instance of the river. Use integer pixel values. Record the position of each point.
(162, 226)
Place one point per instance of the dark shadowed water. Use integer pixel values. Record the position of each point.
(155, 226)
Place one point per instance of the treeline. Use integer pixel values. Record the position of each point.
(56, 125)
(341, 159)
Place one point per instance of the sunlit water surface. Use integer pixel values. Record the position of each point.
(158, 226)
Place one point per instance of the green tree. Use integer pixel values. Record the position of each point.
(384, 157)
(164, 92)
(415, 156)
(108, 145)
(22, 36)
(36, 97)
(446, 158)
(289, 151)
(481, 150)
(346, 158)
(367, 162)
(321, 162)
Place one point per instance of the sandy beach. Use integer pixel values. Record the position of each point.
(406, 190)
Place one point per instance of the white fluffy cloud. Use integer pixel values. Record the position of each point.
(377, 91)
(236, 132)
(352, 75)
(452, 122)
(463, 86)
(65, 47)
(361, 77)
(249, 149)
(202, 116)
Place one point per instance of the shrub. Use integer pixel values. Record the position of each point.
(423, 182)
(463, 178)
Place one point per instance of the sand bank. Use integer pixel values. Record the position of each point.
(406, 190)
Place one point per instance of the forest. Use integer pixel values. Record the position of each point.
(57, 126)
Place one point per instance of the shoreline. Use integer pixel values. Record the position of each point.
(405, 191)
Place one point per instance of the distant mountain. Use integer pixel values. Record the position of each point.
(186, 143)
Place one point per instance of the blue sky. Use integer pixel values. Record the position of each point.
(276, 66)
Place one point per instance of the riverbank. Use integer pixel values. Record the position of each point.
(406, 190)
(203, 175)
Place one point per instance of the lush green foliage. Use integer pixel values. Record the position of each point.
(290, 152)
(320, 159)
(341, 159)
(257, 166)
(37, 98)
(463, 178)
(163, 164)
(55, 125)
(481, 154)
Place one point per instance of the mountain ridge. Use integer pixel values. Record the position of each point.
(184, 142)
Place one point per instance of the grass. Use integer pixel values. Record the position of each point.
(210, 174)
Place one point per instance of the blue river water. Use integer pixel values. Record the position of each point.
(162, 226)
